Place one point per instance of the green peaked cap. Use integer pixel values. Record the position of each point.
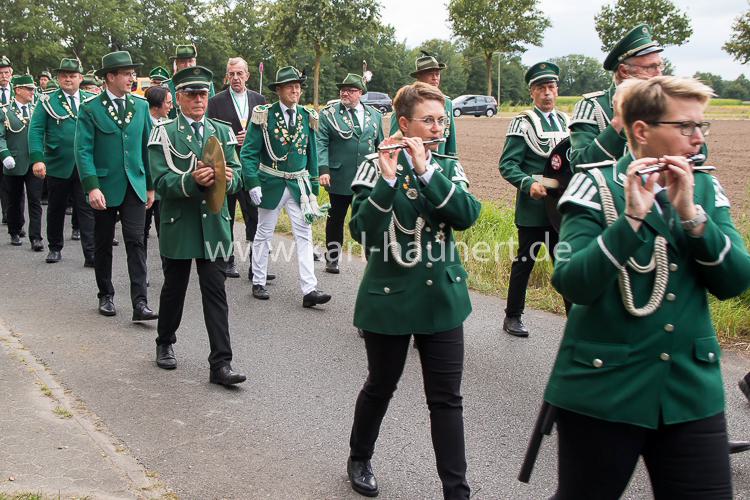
(159, 73)
(193, 79)
(353, 80)
(184, 52)
(288, 74)
(636, 42)
(542, 72)
(22, 81)
(116, 60)
(4, 62)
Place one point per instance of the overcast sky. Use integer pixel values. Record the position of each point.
(572, 31)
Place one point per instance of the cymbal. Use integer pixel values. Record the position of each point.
(213, 156)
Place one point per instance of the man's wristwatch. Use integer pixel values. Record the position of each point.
(700, 218)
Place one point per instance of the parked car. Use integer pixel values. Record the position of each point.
(477, 105)
(378, 100)
(140, 85)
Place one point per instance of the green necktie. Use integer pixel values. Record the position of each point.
(3, 99)
(73, 105)
(25, 111)
(197, 129)
(553, 123)
(120, 108)
(355, 120)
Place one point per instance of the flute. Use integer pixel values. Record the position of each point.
(660, 167)
(393, 147)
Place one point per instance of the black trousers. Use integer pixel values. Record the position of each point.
(16, 185)
(530, 240)
(151, 214)
(132, 214)
(442, 357)
(249, 212)
(596, 458)
(335, 225)
(215, 310)
(58, 194)
(3, 194)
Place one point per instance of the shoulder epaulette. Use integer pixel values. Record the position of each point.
(44, 97)
(164, 122)
(594, 94)
(260, 114)
(153, 139)
(372, 156)
(518, 125)
(599, 164)
(314, 118)
(581, 191)
(367, 172)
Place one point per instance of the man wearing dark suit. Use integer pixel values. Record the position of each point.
(234, 105)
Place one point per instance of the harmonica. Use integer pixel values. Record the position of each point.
(692, 160)
(393, 147)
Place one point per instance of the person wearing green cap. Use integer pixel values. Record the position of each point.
(91, 83)
(112, 159)
(349, 131)
(185, 56)
(44, 78)
(189, 229)
(6, 95)
(531, 136)
(280, 170)
(428, 70)
(14, 154)
(52, 154)
(595, 129)
(159, 75)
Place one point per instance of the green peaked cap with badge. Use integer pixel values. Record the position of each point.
(70, 65)
(116, 60)
(184, 52)
(637, 42)
(353, 80)
(288, 74)
(22, 81)
(193, 79)
(427, 62)
(542, 72)
(159, 73)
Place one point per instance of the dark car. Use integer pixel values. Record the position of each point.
(378, 100)
(477, 105)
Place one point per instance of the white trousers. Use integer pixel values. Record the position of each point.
(302, 232)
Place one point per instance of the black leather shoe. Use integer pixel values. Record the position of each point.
(745, 387)
(332, 267)
(260, 292)
(141, 312)
(316, 256)
(22, 234)
(165, 357)
(738, 446)
(226, 376)
(361, 476)
(76, 235)
(115, 242)
(37, 245)
(107, 306)
(514, 326)
(88, 262)
(314, 298)
(53, 256)
(15, 240)
(231, 270)
(270, 276)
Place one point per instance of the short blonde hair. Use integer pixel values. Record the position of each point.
(646, 100)
(409, 96)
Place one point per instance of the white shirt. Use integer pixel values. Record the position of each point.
(76, 97)
(286, 115)
(21, 106)
(202, 121)
(425, 177)
(6, 91)
(112, 97)
(360, 111)
(241, 104)
(553, 119)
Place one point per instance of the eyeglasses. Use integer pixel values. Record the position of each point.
(687, 128)
(348, 91)
(430, 121)
(651, 68)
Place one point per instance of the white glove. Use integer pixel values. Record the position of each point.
(256, 195)
(9, 163)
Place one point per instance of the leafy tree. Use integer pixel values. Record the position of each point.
(738, 89)
(716, 82)
(738, 45)
(29, 36)
(320, 25)
(503, 26)
(513, 89)
(580, 74)
(669, 25)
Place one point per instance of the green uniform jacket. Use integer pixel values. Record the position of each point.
(175, 107)
(529, 141)
(341, 149)
(110, 154)
(188, 229)
(52, 133)
(449, 147)
(298, 144)
(622, 368)
(432, 296)
(592, 137)
(14, 138)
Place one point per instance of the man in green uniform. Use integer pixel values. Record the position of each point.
(189, 229)
(44, 79)
(91, 83)
(112, 159)
(159, 75)
(17, 172)
(595, 130)
(185, 56)
(531, 136)
(280, 170)
(349, 131)
(51, 148)
(638, 368)
(428, 70)
(6, 95)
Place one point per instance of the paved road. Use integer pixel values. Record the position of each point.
(284, 433)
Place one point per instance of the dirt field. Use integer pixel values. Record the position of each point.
(480, 142)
